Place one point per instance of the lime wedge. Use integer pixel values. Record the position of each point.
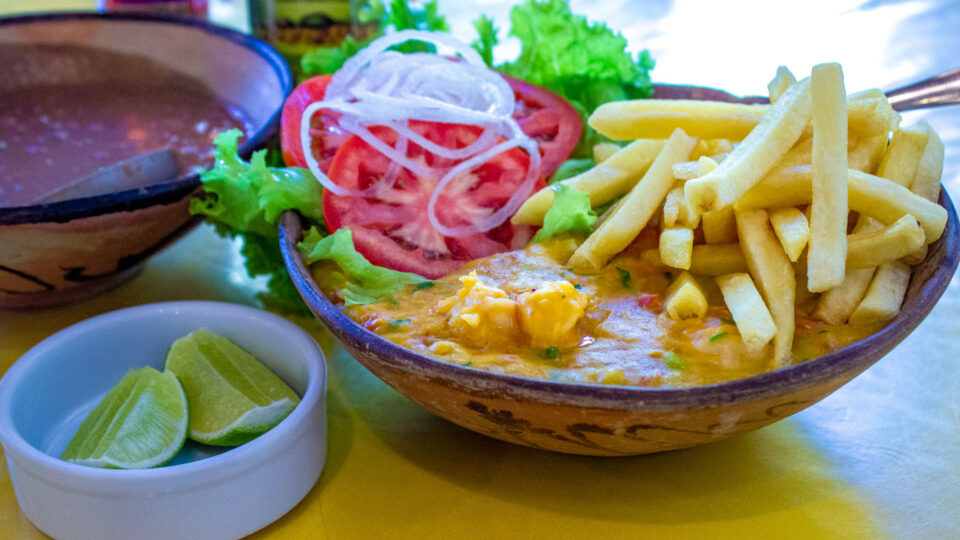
(233, 398)
(141, 423)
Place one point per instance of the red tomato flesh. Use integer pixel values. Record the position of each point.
(325, 133)
(392, 229)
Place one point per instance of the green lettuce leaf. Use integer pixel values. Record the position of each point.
(365, 282)
(328, 59)
(570, 213)
(249, 197)
(571, 168)
(487, 38)
(245, 199)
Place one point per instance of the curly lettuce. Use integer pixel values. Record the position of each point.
(363, 281)
(570, 213)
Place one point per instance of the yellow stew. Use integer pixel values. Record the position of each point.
(526, 313)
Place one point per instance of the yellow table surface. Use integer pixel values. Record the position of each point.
(877, 459)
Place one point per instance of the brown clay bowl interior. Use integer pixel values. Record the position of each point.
(619, 420)
(67, 251)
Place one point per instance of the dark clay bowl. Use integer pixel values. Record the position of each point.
(67, 251)
(620, 420)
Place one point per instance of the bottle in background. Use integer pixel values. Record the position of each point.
(294, 27)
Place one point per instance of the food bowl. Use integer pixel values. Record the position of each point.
(207, 492)
(69, 250)
(619, 420)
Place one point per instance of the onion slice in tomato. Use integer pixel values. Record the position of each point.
(379, 87)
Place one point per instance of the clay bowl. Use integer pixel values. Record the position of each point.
(67, 251)
(619, 420)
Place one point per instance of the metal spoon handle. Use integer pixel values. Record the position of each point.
(943, 89)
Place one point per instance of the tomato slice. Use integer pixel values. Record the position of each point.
(325, 133)
(393, 230)
(544, 116)
(548, 119)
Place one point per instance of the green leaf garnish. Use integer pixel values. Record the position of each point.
(245, 199)
(717, 337)
(365, 283)
(624, 277)
(674, 361)
(552, 353)
(487, 38)
(570, 212)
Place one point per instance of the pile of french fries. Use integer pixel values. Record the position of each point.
(818, 200)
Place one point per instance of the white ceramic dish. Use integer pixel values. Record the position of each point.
(206, 493)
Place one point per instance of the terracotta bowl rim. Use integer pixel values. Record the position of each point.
(849, 360)
(168, 192)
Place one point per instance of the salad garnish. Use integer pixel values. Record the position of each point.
(574, 65)
(387, 88)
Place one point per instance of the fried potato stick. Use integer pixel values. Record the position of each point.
(873, 248)
(773, 275)
(605, 182)
(869, 113)
(867, 194)
(637, 207)
(685, 298)
(792, 230)
(707, 259)
(750, 314)
(827, 253)
(885, 295)
(756, 155)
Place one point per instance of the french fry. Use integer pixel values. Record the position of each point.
(828, 222)
(718, 147)
(692, 169)
(750, 314)
(789, 183)
(780, 82)
(869, 113)
(685, 298)
(707, 259)
(676, 247)
(926, 180)
(864, 154)
(601, 151)
(900, 161)
(657, 118)
(756, 155)
(673, 205)
(873, 248)
(885, 295)
(637, 208)
(719, 226)
(887, 202)
(604, 182)
(836, 305)
(867, 194)
(792, 230)
(773, 275)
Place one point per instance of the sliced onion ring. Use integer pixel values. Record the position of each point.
(381, 87)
